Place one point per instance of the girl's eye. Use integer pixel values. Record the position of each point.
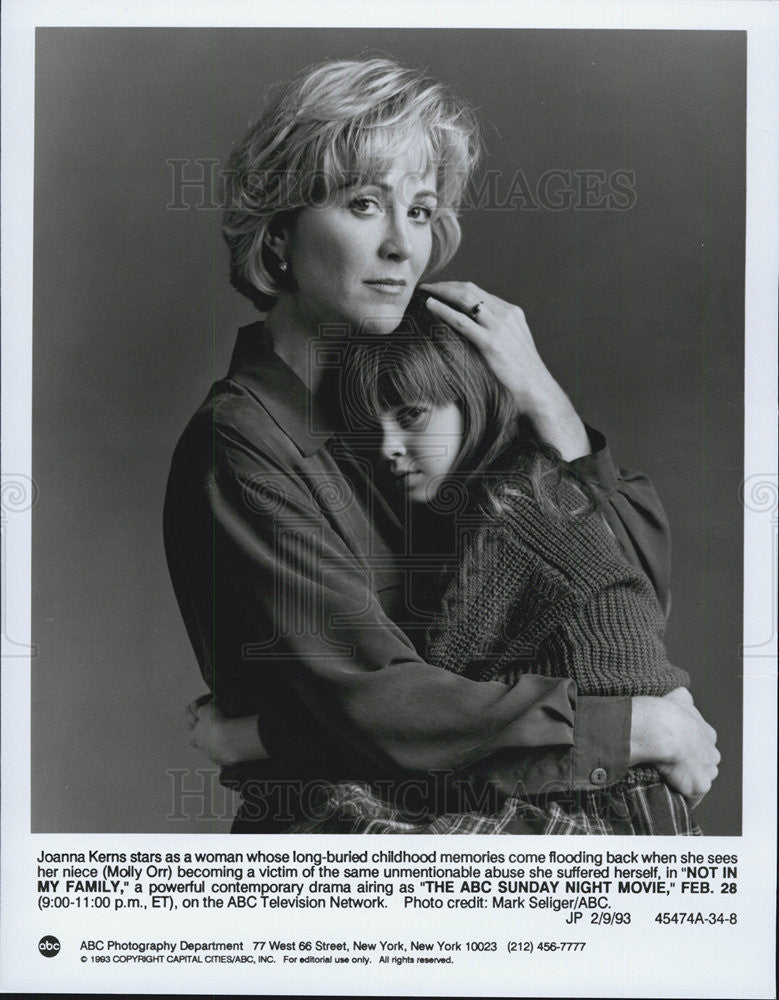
(412, 415)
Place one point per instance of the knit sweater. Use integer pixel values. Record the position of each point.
(550, 594)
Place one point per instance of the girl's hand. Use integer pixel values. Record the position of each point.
(223, 740)
(500, 331)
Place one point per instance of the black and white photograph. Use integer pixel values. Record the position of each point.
(389, 462)
(588, 325)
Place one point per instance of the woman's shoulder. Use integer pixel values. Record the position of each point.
(232, 426)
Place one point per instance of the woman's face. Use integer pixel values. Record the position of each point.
(420, 444)
(358, 258)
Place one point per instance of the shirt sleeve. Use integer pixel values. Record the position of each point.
(602, 742)
(285, 621)
(633, 512)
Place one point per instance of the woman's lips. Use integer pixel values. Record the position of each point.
(387, 286)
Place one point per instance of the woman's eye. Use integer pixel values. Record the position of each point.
(365, 206)
(421, 213)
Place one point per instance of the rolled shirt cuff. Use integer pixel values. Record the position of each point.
(601, 743)
(597, 467)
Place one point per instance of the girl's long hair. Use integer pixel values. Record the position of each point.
(426, 361)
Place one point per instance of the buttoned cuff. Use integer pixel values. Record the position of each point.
(597, 467)
(601, 741)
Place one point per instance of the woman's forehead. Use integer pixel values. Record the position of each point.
(406, 184)
(389, 157)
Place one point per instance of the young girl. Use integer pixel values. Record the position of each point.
(512, 570)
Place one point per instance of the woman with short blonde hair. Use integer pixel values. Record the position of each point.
(333, 124)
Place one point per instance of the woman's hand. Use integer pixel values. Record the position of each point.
(671, 734)
(223, 740)
(499, 330)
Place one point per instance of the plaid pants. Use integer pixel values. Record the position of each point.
(629, 808)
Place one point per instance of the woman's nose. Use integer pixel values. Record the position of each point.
(396, 244)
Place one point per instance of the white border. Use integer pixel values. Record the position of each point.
(761, 20)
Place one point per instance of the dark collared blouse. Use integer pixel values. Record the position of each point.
(285, 562)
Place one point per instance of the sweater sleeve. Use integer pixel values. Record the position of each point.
(611, 643)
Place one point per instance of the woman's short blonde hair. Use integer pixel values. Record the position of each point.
(338, 122)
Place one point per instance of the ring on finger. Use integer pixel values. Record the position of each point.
(475, 309)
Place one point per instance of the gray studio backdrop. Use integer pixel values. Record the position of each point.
(639, 312)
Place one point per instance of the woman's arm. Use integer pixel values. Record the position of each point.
(223, 740)
(500, 331)
(632, 510)
(286, 622)
(671, 734)
(628, 499)
(667, 732)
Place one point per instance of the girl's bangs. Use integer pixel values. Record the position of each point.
(400, 373)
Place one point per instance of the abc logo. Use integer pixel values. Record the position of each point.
(48, 946)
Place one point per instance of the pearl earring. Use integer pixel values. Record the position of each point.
(284, 265)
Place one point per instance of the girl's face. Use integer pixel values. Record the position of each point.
(420, 444)
(358, 258)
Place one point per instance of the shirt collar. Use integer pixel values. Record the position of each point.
(257, 367)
